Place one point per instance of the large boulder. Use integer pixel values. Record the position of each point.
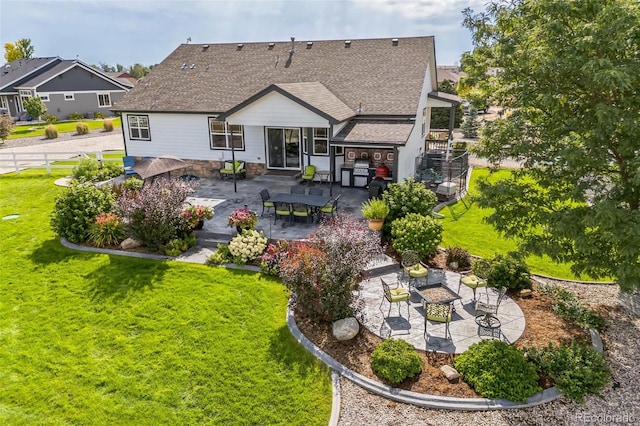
(129, 243)
(630, 301)
(346, 329)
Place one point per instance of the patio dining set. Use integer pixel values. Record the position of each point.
(311, 205)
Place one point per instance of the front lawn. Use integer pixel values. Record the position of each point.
(95, 339)
(37, 128)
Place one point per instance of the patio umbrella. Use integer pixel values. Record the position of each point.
(159, 165)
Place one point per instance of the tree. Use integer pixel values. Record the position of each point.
(569, 83)
(470, 123)
(20, 49)
(6, 127)
(138, 70)
(106, 67)
(35, 107)
(440, 116)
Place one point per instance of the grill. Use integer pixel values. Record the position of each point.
(361, 168)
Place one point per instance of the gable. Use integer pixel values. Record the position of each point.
(275, 109)
(76, 79)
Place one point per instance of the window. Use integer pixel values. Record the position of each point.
(44, 98)
(104, 100)
(339, 150)
(139, 127)
(3, 102)
(424, 121)
(69, 97)
(219, 136)
(305, 142)
(320, 141)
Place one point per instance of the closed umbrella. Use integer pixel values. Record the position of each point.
(159, 165)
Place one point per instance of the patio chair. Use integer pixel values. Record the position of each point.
(228, 170)
(128, 162)
(302, 210)
(316, 191)
(395, 295)
(282, 209)
(412, 268)
(296, 189)
(440, 313)
(477, 279)
(308, 175)
(264, 194)
(489, 304)
(331, 207)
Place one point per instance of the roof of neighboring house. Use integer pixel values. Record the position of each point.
(123, 77)
(387, 132)
(451, 73)
(20, 68)
(382, 76)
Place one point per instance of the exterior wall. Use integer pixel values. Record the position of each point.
(77, 79)
(275, 110)
(85, 103)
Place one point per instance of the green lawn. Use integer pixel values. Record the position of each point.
(95, 339)
(464, 227)
(37, 129)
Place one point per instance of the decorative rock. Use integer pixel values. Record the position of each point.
(346, 329)
(129, 243)
(450, 373)
(631, 302)
(525, 293)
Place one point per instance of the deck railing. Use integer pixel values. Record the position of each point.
(17, 161)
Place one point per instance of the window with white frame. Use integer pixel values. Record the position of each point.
(69, 97)
(339, 150)
(3, 102)
(320, 141)
(139, 127)
(104, 100)
(305, 142)
(44, 98)
(424, 121)
(221, 132)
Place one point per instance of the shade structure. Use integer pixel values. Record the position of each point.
(159, 165)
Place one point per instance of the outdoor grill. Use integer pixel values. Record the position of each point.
(361, 173)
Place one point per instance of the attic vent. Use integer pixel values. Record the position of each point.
(183, 66)
(394, 41)
(205, 47)
(271, 45)
(240, 46)
(192, 66)
(309, 44)
(347, 44)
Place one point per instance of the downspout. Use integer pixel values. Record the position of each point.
(332, 159)
(233, 154)
(122, 120)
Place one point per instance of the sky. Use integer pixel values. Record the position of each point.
(147, 31)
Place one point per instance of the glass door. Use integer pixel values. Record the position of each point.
(283, 148)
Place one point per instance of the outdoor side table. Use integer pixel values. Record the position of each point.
(489, 325)
(324, 175)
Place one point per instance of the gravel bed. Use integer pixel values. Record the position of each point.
(41, 140)
(619, 404)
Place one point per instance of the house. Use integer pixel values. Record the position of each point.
(345, 107)
(450, 73)
(65, 87)
(124, 78)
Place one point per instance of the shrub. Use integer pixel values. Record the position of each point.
(221, 256)
(82, 128)
(460, 256)
(6, 127)
(50, 118)
(179, 245)
(89, 170)
(107, 230)
(577, 370)
(99, 115)
(246, 246)
(152, 215)
(375, 209)
(509, 271)
(108, 125)
(416, 232)
(108, 170)
(273, 257)
(76, 209)
(35, 107)
(76, 116)
(569, 307)
(408, 197)
(394, 360)
(133, 183)
(498, 370)
(51, 131)
(323, 272)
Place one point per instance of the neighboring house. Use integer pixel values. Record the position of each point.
(451, 73)
(124, 78)
(65, 87)
(283, 105)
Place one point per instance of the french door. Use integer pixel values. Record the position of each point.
(283, 148)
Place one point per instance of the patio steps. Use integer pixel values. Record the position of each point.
(381, 265)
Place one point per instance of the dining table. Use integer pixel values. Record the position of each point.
(316, 202)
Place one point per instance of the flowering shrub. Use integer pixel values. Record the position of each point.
(407, 197)
(76, 209)
(194, 214)
(418, 233)
(152, 214)
(323, 273)
(243, 218)
(179, 245)
(247, 246)
(107, 230)
(221, 256)
(273, 257)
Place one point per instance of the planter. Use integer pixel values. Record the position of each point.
(376, 224)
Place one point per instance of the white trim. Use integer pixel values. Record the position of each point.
(29, 73)
(322, 154)
(106, 105)
(72, 95)
(139, 128)
(88, 68)
(4, 103)
(228, 134)
(83, 92)
(25, 93)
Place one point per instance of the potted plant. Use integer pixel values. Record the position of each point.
(376, 210)
(196, 215)
(243, 219)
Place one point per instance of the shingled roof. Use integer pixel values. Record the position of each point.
(384, 76)
(375, 131)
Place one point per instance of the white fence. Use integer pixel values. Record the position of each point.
(16, 161)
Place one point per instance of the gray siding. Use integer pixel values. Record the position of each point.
(77, 79)
(84, 103)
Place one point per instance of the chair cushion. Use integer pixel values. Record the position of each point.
(399, 295)
(439, 318)
(228, 166)
(267, 204)
(327, 209)
(418, 271)
(473, 281)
